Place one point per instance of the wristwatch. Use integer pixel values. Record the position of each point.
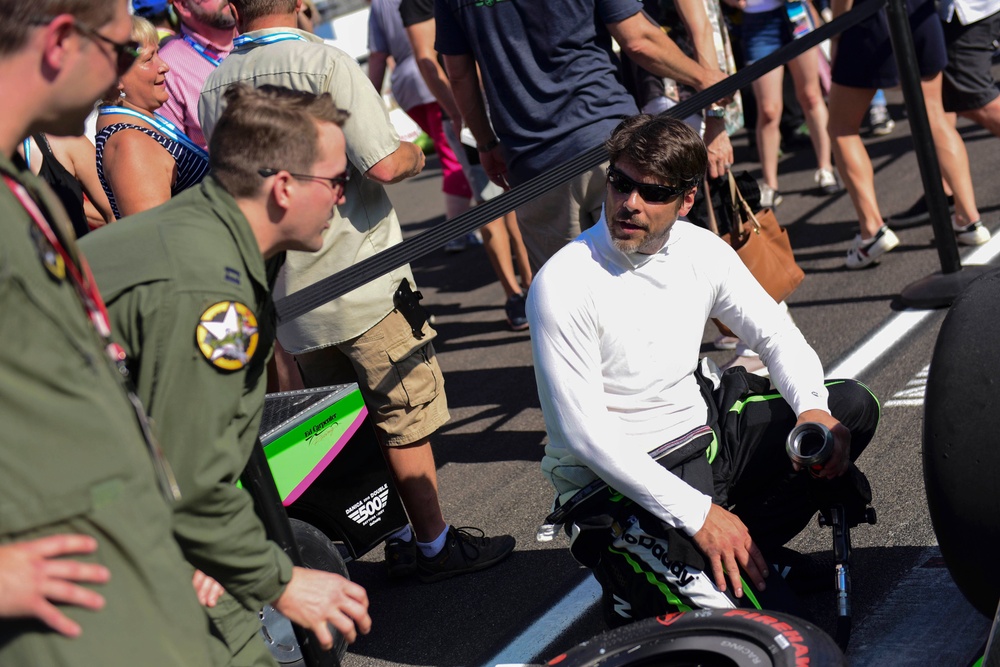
(715, 111)
(490, 146)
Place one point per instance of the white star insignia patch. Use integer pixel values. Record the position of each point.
(227, 335)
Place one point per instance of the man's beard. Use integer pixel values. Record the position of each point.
(220, 20)
(649, 244)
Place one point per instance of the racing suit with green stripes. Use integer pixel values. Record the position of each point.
(616, 339)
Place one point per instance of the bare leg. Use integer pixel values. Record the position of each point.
(767, 90)
(987, 116)
(520, 253)
(415, 473)
(847, 108)
(805, 76)
(951, 153)
(496, 241)
(455, 206)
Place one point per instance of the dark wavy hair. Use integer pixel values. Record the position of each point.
(661, 146)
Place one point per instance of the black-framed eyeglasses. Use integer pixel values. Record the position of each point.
(654, 194)
(335, 181)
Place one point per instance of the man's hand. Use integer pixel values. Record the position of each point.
(33, 577)
(314, 598)
(207, 589)
(841, 458)
(727, 544)
(720, 151)
(495, 167)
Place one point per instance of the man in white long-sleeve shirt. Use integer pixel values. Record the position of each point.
(617, 319)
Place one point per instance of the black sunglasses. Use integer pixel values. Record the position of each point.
(126, 53)
(334, 181)
(654, 194)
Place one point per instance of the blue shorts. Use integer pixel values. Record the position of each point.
(765, 32)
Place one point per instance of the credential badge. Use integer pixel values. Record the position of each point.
(227, 335)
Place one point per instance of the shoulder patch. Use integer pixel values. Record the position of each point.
(226, 335)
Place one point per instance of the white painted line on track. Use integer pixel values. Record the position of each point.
(533, 641)
(897, 326)
(889, 334)
(536, 638)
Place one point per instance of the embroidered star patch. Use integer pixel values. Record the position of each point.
(227, 335)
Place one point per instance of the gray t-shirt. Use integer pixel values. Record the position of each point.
(386, 34)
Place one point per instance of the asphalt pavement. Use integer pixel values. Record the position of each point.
(488, 455)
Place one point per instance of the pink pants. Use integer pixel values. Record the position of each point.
(428, 117)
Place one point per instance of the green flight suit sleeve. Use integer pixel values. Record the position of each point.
(207, 420)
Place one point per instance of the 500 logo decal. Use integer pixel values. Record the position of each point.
(369, 511)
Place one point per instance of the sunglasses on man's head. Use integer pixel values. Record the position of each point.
(654, 194)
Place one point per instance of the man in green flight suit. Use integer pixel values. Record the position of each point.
(79, 477)
(188, 289)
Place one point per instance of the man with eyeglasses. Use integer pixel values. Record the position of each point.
(188, 289)
(617, 319)
(89, 571)
(207, 29)
(376, 335)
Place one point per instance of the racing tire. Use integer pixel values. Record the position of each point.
(708, 638)
(318, 553)
(961, 450)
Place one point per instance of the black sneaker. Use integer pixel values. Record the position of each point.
(401, 557)
(517, 319)
(464, 552)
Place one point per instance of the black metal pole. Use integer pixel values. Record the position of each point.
(938, 289)
(259, 483)
(920, 132)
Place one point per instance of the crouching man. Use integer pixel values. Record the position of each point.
(617, 318)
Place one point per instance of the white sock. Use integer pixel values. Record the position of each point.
(404, 534)
(434, 547)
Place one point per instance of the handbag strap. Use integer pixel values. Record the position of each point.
(741, 209)
(713, 223)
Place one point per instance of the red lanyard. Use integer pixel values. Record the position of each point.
(86, 287)
(79, 270)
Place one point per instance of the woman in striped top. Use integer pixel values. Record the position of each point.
(142, 158)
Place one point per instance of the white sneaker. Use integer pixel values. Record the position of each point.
(724, 342)
(880, 120)
(827, 181)
(974, 234)
(863, 253)
(769, 197)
